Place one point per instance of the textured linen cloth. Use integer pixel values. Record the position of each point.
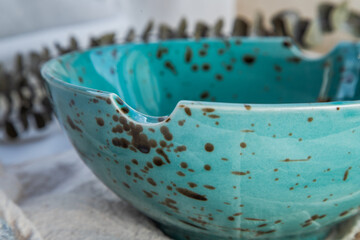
(56, 197)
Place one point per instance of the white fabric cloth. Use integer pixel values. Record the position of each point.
(49, 194)
(64, 200)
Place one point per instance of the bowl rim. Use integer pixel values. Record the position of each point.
(53, 78)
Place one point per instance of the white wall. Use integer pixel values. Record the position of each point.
(18, 16)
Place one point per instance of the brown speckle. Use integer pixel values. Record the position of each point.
(184, 165)
(208, 110)
(277, 68)
(194, 67)
(259, 233)
(202, 52)
(243, 145)
(180, 149)
(100, 121)
(296, 160)
(163, 154)
(204, 95)
(192, 185)
(149, 195)
(125, 110)
(219, 77)
(287, 44)
(207, 167)
(181, 122)
(255, 219)
(343, 213)
(170, 203)
(310, 119)
(181, 174)
(188, 54)
(247, 107)
(209, 187)
(134, 161)
(170, 67)
(249, 59)
(206, 67)
(294, 59)
(117, 129)
(190, 194)
(166, 133)
(72, 124)
(239, 173)
(346, 174)
(187, 111)
(115, 118)
(214, 116)
(151, 181)
(192, 225)
(149, 165)
(209, 147)
(120, 142)
(158, 161)
(160, 52)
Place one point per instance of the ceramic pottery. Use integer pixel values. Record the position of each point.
(243, 138)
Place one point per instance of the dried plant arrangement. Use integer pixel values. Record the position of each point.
(23, 100)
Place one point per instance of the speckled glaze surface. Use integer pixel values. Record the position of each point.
(242, 149)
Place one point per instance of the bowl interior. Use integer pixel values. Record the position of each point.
(153, 78)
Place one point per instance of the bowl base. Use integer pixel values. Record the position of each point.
(181, 234)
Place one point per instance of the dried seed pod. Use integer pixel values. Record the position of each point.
(324, 11)
(23, 117)
(146, 33)
(353, 24)
(45, 102)
(201, 30)
(73, 44)
(19, 63)
(300, 31)
(60, 49)
(218, 28)
(10, 130)
(312, 35)
(181, 30)
(130, 36)
(240, 28)
(259, 28)
(6, 86)
(107, 39)
(94, 42)
(45, 54)
(339, 15)
(284, 23)
(40, 120)
(165, 32)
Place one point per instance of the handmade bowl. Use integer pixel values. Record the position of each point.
(243, 149)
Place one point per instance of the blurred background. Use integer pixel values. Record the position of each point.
(31, 32)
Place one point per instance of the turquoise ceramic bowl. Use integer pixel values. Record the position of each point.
(218, 139)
